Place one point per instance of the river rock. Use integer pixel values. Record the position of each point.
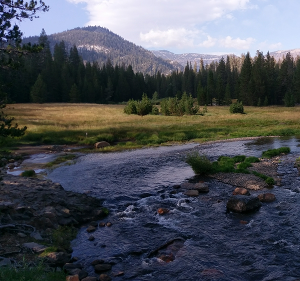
(95, 262)
(104, 277)
(34, 247)
(72, 278)
(101, 144)
(91, 229)
(266, 197)
(102, 267)
(192, 193)
(241, 204)
(162, 211)
(241, 191)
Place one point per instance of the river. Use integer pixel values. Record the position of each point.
(205, 242)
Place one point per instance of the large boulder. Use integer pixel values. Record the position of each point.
(101, 144)
(242, 204)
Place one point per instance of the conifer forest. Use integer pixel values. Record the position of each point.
(62, 76)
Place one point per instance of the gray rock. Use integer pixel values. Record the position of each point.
(34, 247)
(101, 144)
(89, 278)
(4, 262)
(192, 193)
(36, 235)
(241, 204)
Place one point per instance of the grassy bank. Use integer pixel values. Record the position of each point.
(89, 123)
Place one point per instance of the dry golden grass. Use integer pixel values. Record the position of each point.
(68, 123)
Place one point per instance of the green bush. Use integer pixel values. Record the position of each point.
(130, 108)
(274, 152)
(63, 235)
(155, 110)
(28, 173)
(144, 106)
(237, 108)
(199, 163)
(270, 181)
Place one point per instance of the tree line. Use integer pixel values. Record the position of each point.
(62, 76)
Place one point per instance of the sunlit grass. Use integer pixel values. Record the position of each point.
(89, 123)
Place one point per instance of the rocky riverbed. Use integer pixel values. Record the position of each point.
(32, 209)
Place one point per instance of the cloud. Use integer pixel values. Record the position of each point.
(150, 21)
(210, 42)
(239, 44)
(172, 37)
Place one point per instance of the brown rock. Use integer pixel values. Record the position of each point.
(101, 144)
(108, 224)
(58, 259)
(91, 238)
(266, 197)
(102, 224)
(192, 193)
(162, 211)
(91, 229)
(120, 273)
(243, 222)
(202, 187)
(104, 277)
(167, 258)
(72, 278)
(241, 191)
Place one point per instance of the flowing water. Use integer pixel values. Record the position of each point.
(204, 241)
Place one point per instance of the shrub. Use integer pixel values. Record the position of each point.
(237, 108)
(270, 181)
(199, 163)
(144, 106)
(155, 110)
(274, 152)
(130, 108)
(28, 173)
(63, 235)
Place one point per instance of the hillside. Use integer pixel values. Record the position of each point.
(96, 43)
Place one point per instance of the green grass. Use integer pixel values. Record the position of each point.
(86, 124)
(275, 152)
(202, 166)
(28, 173)
(60, 160)
(26, 273)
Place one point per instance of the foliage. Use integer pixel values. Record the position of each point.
(6, 126)
(130, 108)
(63, 235)
(155, 110)
(236, 108)
(144, 106)
(28, 173)
(199, 163)
(179, 107)
(239, 158)
(268, 180)
(274, 152)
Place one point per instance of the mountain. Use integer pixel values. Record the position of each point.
(95, 43)
(188, 57)
(279, 55)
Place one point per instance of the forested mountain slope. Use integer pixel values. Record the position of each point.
(96, 43)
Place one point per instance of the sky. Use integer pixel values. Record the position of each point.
(189, 26)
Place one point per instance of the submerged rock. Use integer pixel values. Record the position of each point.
(241, 204)
(266, 197)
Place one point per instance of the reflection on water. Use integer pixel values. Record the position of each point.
(212, 245)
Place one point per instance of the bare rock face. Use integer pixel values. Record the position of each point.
(242, 204)
(266, 197)
(101, 144)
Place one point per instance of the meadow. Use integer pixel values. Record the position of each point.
(85, 124)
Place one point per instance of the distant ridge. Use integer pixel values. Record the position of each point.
(99, 44)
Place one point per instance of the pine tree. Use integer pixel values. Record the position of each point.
(74, 95)
(38, 91)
